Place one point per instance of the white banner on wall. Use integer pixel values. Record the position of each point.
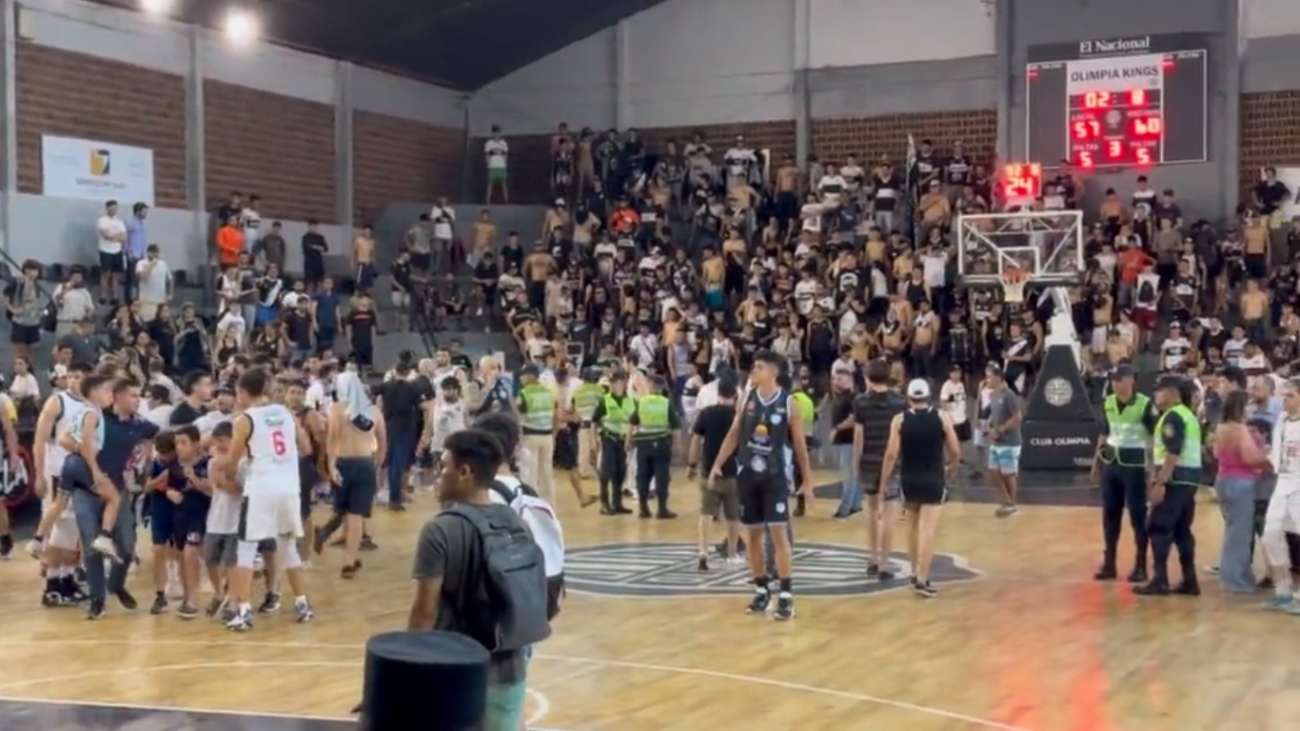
(1119, 73)
(98, 171)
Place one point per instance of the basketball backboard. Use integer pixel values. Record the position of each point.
(1047, 244)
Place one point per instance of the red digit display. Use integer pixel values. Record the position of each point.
(1022, 180)
(1115, 128)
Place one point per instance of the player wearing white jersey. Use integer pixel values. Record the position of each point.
(267, 434)
(1283, 514)
(448, 416)
(56, 539)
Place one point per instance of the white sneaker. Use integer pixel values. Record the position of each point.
(35, 548)
(174, 589)
(104, 545)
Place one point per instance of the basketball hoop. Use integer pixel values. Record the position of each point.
(1013, 284)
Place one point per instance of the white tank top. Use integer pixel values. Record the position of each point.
(272, 449)
(72, 409)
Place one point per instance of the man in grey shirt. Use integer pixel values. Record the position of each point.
(1004, 439)
(450, 568)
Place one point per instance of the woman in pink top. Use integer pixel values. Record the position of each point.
(1241, 459)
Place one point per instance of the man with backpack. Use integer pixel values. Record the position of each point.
(479, 573)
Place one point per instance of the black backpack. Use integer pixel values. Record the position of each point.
(1146, 292)
(513, 588)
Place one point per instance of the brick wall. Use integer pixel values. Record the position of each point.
(274, 146)
(74, 95)
(1270, 134)
(870, 137)
(395, 160)
(530, 157)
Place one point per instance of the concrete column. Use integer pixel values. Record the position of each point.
(196, 165)
(8, 122)
(623, 76)
(801, 59)
(344, 200)
(1004, 44)
(1224, 142)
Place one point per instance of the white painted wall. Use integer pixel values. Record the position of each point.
(867, 32)
(696, 62)
(1269, 18)
(575, 84)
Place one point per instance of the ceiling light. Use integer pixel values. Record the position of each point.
(156, 7)
(241, 26)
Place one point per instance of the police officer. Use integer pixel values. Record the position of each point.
(1120, 468)
(653, 424)
(610, 429)
(1172, 493)
(538, 419)
(586, 398)
(808, 414)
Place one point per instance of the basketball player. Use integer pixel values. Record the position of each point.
(1283, 513)
(873, 415)
(448, 417)
(268, 435)
(353, 434)
(59, 552)
(919, 440)
(84, 438)
(312, 463)
(767, 438)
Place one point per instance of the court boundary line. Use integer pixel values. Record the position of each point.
(542, 703)
(626, 664)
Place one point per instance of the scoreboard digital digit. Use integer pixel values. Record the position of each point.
(1141, 106)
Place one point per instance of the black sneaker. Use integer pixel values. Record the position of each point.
(187, 611)
(885, 576)
(758, 604)
(159, 604)
(703, 564)
(125, 599)
(6, 546)
(269, 605)
(215, 606)
(368, 543)
(96, 610)
(873, 570)
(784, 607)
(1137, 576)
(51, 599)
(924, 590)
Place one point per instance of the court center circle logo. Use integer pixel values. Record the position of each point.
(670, 570)
(1058, 392)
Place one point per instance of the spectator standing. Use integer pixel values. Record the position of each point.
(444, 230)
(25, 305)
(112, 237)
(273, 246)
(154, 280)
(230, 242)
(325, 315)
(314, 248)
(250, 221)
(484, 237)
(137, 239)
(419, 240)
(403, 285)
(74, 302)
(497, 152)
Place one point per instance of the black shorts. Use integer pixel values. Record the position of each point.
(356, 494)
(112, 263)
(308, 476)
(963, 431)
(763, 496)
(925, 492)
(363, 356)
(24, 334)
(421, 262)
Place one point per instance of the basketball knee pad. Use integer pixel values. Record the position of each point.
(290, 558)
(245, 554)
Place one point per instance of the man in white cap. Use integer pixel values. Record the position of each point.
(919, 440)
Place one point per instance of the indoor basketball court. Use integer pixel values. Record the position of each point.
(1019, 639)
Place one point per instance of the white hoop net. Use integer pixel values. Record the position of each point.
(1013, 286)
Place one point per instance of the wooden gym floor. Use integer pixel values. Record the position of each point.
(1019, 639)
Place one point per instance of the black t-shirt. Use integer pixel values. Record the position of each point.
(402, 401)
(362, 323)
(841, 409)
(185, 414)
(712, 425)
(401, 276)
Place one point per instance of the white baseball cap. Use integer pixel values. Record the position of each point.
(919, 388)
